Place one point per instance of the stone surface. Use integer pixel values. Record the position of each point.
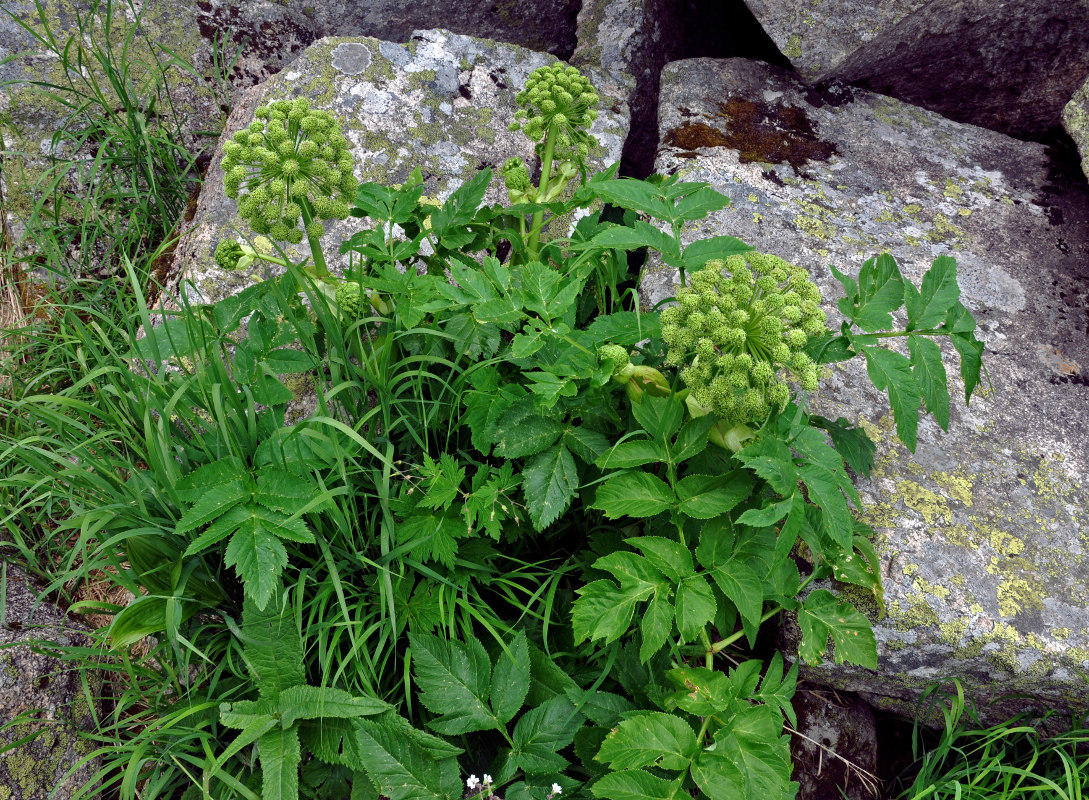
(1076, 123)
(834, 748)
(48, 691)
(1009, 66)
(630, 41)
(442, 102)
(983, 532)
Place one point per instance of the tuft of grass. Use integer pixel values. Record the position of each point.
(1007, 761)
(118, 174)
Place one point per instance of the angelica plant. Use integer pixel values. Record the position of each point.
(292, 163)
(556, 109)
(739, 331)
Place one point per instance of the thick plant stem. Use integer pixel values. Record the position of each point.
(320, 269)
(542, 191)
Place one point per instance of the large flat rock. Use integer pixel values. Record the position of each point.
(1008, 66)
(441, 102)
(984, 531)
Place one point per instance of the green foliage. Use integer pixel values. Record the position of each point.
(917, 380)
(511, 534)
(1010, 760)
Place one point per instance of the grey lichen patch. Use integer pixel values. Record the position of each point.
(351, 58)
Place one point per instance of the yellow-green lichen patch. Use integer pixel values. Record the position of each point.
(925, 586)
(931, 505)
(915, 614)
(793, 47)
(957, 485)
(1016, 595)
(952, 190)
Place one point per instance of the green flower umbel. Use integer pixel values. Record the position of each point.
(734, 335)
(558, 99)
(291, 164)
(556, 110)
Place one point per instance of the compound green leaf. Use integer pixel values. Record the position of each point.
(699, 204)
(926, 308)
(742, 587)
(753, 741)
(228, 470)
(633, 494)
(272, 646)
(214, 503)
(455, 682)
(403, 769)
(659, 416)
(283, 491)
(718, 777)
(669, 557)
(542, 732)
(692, 438)
(635, 784)
(708, 496)
(550, 480)
(850, 441)
(695, 603)
(585, 443)
(510, 680)
(632, 453)
(892, 372)
(824, 491)
(881, 291)
(772, 460)
(701, 691)
(603, 611)
(656, 625)
(325, 702)
(776, 690)
(823, 615)
(654, 738)
(522, 431)
(930, 377)
(971, 360)
(701, 251)
(258, 557)
(286, 361)
(280, 759)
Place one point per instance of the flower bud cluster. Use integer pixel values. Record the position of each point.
(291, 162)
(560, 97)
(516, 179)
(733, 336)
(349, 299)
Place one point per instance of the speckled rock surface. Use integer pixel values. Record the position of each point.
(630, 40)
(1076, 123)
(42, 686)
(1009, 66)
(984, 532)
(442, 102)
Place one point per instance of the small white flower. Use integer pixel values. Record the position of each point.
(473, 782)
(487, 778)
(557, 789)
